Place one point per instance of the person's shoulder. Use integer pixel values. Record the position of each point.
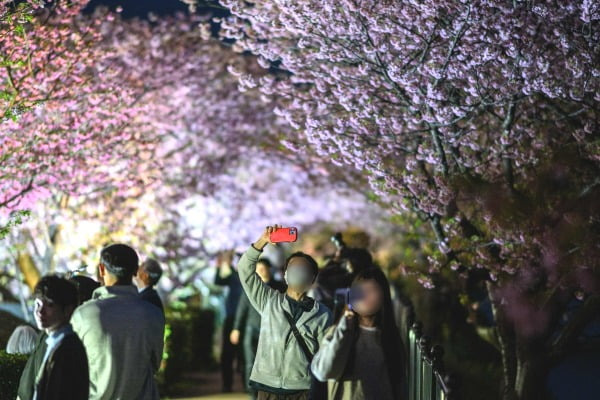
(148, 293)
(71, 346)
(323, 310)
(72, 341)
(86, 308)
(148, 309)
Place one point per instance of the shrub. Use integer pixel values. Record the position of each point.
(11, 367)
(188, 344)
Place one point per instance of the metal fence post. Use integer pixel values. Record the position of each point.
(426, 369)
(414, 334)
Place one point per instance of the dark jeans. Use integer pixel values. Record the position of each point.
(250, 342)
(228, 354)
(272, 396)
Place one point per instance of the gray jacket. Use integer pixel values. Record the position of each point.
(280, 362)
(123, 338)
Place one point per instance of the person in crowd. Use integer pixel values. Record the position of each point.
(85, 287)
(146, 279)
(228, 277)
(247, 320)
(122, 334)
(61, 370)
(292, 324)
(22, 341)
(361, 357)
(33, 365)
(338, 273)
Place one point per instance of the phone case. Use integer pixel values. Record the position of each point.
(282, 235)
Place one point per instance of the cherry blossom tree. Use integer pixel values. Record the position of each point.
(65, 113)
(205, 147)
(479, 116)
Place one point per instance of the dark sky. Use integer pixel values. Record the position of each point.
(141, 8)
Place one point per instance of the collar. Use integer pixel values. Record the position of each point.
(145, 288)
(306, 303)
(105, 292)
(59, 334)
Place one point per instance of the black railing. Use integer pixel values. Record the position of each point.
(427, 378)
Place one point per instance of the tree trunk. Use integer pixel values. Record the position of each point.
(508, 347)
(30, 272)
(532, 368)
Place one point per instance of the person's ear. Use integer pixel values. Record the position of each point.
(101, 270)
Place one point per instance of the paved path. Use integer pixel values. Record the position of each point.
(206, 386)
(225, 396)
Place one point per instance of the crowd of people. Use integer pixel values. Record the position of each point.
(321, 333)
(99, 340)
(333, 324)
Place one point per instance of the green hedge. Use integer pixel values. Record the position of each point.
(11, 367)
(188, 344)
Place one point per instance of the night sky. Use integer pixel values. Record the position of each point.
(141, 8)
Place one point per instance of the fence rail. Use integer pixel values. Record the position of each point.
(427, 378)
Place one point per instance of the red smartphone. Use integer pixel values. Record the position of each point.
(284, 235)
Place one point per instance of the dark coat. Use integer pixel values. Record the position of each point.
(151, 296)
(65, 375)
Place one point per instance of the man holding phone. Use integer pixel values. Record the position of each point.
(292, 326)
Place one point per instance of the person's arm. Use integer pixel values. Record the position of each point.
(257, 291)
(332, 357)
(321, 332)
(241, 313)
(241, 316)
(156, 339)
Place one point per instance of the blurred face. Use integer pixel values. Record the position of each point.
(225, 258)
(263, 271)
(366, 298)
(298, 274)
(49, 315)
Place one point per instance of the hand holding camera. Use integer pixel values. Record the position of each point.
(276, 234)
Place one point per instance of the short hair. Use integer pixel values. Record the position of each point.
(120, 260)
(22, 341)
(266, 262)
(311, 262)
(85, 287)
(57, 289)
(153, 269)
(360, 258)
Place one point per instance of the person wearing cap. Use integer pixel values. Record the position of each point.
(122, 334)
(146, 278)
